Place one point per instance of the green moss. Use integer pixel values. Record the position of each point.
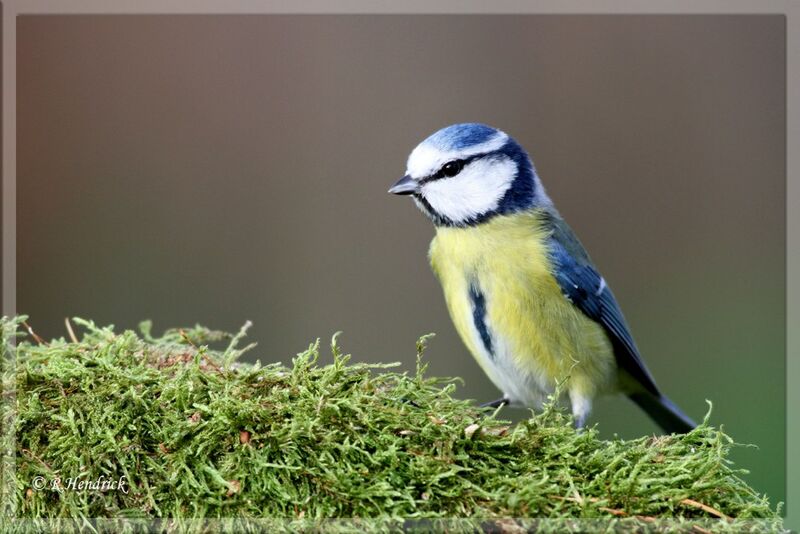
(196, 435)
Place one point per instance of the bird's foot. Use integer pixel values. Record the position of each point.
(502, 401)
(406, 400)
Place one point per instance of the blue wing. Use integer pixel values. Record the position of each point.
(585, 288)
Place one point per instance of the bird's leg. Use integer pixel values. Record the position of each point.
(581, 406)
(580, 422)
(502, 401)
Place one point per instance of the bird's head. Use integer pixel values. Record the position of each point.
(465, 174)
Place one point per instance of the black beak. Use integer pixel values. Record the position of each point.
(404, 186)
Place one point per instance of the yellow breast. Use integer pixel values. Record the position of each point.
(538, 336)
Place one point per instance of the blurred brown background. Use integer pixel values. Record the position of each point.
(213, 169)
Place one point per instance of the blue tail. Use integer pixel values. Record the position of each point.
(661, 410)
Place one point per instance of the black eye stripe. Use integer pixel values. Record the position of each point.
(438, 175)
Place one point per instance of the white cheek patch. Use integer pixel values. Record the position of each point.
(474, 191)
(426, 159)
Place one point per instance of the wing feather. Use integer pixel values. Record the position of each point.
(585, 288)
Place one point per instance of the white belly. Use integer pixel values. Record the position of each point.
(522, 387)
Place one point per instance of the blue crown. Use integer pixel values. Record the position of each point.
(461, 136)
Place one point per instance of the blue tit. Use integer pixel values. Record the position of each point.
(521, 290)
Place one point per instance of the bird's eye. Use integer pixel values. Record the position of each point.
(451, 168)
